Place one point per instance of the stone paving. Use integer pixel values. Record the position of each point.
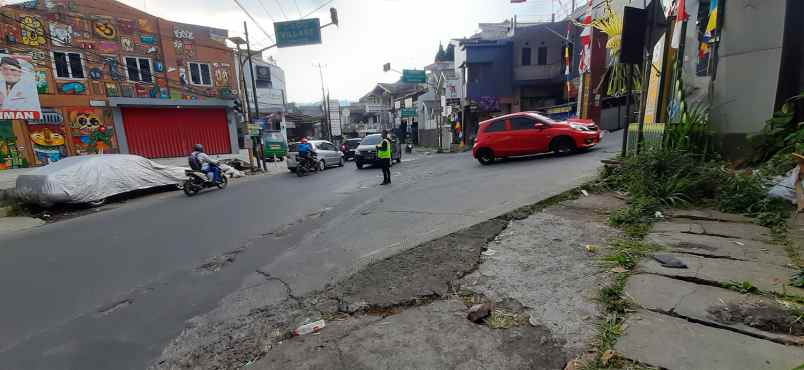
(686, 319)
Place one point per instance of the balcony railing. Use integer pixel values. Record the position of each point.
(538, 72)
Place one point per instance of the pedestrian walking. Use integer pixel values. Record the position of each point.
(384, 154)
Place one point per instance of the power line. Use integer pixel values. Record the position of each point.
(253, 20)
(280, 8)
(265, 9)
(297, 7)
(319, 8)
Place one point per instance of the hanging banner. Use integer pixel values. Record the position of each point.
(18, 94)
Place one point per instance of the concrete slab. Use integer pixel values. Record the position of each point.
(542, 262)
(14, 224)
(707, 245)
(690, 300)
(677, 344)
(601, 203)
(766, 277)
(435, 336)
(707, 215)
(716, 228)
(677, 227)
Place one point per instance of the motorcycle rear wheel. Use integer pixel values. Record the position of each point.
(190, 189)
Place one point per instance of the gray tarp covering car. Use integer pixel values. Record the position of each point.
(87, 179)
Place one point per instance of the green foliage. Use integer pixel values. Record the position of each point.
(670, 176)
(747, 193)
(692, 132)
(636, 218)
(628, 252)
(741, 286)
(783, 133)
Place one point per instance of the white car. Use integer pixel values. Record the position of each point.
(327, 153)
(93, 178)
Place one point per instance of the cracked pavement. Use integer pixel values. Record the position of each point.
(305, 232)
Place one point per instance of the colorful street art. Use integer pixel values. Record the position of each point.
(112, 90)
(126, 26)
(48, 142)
(42, 81)
(73, 88)
(108, 47)
(90, 131)
(145, 25)
(10, 156)
(148, 39)
(184, 49)
(183, 34)
(127, 44)
(222, 74)
(105, 29)
(11, 33)
(61, 34)
(32, 31)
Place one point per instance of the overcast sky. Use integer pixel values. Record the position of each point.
(405, 33)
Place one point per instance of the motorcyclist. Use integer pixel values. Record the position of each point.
(200, 161)
(305, 149)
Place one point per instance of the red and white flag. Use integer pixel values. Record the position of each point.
(586, 40)
(681, 17)
(518, 1)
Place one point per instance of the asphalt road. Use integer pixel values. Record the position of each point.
(111, 289)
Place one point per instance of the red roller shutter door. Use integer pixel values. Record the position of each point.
(164, 132)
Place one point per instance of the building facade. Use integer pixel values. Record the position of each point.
(112, 79)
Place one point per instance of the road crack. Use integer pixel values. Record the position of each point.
(288, 290)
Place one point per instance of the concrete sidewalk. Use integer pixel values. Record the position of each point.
(8, 178)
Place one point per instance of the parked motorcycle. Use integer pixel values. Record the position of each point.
(307, 165)
(197, 180)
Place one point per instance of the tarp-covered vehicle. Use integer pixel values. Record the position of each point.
(93, 178)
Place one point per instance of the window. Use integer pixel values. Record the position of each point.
(200, 75)
(542, 56)
(3, 51)
(522, 123)
(68, 65)
(495, 126)
(139, 69)
(526, 54)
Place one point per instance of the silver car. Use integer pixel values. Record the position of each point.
(327, 153)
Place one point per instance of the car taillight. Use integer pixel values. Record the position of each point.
(343, 147)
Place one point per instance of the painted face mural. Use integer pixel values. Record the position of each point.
(90, 134)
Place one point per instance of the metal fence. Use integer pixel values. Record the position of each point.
(652, 136)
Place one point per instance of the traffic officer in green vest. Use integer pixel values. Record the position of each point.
(384, 154)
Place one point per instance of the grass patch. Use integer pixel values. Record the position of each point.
(741, 286)
(628, 252)
(502, 318)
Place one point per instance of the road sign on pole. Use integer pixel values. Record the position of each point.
(297, 33)
(408, 112)
(413, 76)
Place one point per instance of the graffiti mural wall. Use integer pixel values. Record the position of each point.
(91, 130)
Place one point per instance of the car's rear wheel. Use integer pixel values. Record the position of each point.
(563, 145)
(322, 165)
(485, 156)
(359, 164)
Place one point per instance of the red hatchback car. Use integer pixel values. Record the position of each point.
(527, 133)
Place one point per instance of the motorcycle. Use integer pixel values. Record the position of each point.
(307, 165)
(197, 180)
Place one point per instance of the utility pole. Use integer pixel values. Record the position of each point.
(258, 142)
(324, 102)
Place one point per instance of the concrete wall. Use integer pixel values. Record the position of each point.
(748, 69)
(490, 70)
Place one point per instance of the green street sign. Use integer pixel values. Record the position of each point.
(408, 112)
(413, 76)
(297, 33)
